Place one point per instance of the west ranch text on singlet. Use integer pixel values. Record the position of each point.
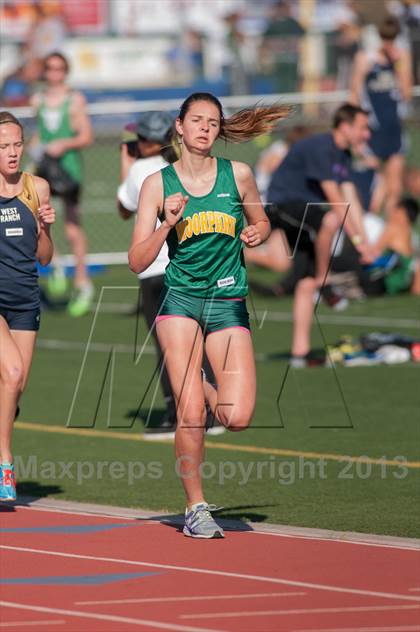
(18, 246)
(381, 96)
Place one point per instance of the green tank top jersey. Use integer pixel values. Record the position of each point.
(205, 251)
(54, 123)
(400, 278)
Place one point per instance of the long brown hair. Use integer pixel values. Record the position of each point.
(243, 125)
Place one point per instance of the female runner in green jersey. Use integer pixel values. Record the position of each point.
(201, 201)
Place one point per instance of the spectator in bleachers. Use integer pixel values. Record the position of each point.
(381, 81)
(238, 79)
(281, 47)
(408, 13)
(18, 87)
(346, 42)
(194, 49)
(47, 33)
(186, 56)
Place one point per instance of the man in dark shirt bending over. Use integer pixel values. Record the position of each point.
(311, 194)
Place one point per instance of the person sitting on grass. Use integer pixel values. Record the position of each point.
(394, 270)
(311, 195)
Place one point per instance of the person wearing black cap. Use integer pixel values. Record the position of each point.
(154, 151)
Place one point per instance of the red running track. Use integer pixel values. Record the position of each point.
(70, 571)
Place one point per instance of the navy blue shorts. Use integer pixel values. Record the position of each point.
(301, 222)
(22, 320)
(386, 144)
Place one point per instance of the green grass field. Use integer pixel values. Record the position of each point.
(290, 467)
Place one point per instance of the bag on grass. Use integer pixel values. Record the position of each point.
(60, 181)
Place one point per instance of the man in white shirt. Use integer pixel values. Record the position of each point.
(152, 135)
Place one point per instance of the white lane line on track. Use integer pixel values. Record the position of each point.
(205, 571)
(414, 589)
(100, 347)
(192, 598)
(338, 540)
(160, 625)
(17, 624)
(331, 319)
(286, 317)
(92, 514)
(294, 611)
(398, 628)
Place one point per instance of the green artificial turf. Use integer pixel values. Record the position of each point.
(360, 411)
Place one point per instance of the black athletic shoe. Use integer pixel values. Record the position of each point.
(334, 300)
(213, 425)
(311, 359)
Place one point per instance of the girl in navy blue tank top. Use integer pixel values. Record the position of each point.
(381, 83)
(25, 220)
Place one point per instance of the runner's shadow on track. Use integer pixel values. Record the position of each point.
(244, 514)
(230, 518)
(33, 489)
(27, 492)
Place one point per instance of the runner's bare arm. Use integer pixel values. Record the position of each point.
(258, 228)
(405, 75)
(46, 217)
(346, 205)
(358, 76)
